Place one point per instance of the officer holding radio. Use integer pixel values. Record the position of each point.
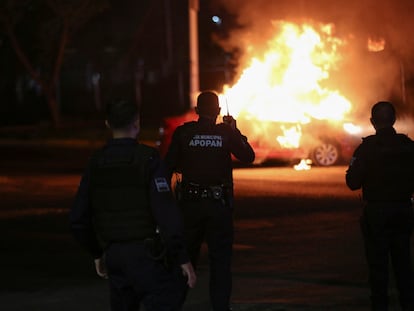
(201, 151)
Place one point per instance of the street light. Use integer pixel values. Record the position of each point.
(216, 20)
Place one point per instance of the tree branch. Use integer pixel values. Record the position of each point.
(64, 37)
(20, 54)
(53, 4)
(79, 11)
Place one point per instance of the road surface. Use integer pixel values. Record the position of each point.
(297, 247)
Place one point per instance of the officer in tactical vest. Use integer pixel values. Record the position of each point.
(126, 217)
(202, 152)
(383, 166)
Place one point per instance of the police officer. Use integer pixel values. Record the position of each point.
(383, 166)
(123, 211)
(202, 152)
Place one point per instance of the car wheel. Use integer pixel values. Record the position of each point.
(325, 154)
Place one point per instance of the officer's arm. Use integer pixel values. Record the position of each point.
(166, 212)
(240, 147)
(80, 219)
(173, 154)
(356, 170)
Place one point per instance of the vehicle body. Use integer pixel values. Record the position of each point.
(325, 143)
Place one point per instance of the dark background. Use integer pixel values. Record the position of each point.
(144, 45)
(129, 44)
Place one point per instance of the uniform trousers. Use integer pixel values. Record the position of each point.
(387, 230)
(211, 221)
(135, 279)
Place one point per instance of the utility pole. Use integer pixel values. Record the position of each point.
(168, 37)
(193, 8)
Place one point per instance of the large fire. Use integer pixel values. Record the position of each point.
(287, 84)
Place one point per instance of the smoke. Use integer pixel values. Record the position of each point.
(387, 18)
(366, 76)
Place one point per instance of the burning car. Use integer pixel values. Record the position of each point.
(287, 97)
(324, 143)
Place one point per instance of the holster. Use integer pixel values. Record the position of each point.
(158, 251)
(155, 247)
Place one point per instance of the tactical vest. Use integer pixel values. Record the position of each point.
(120, 197)
(390, 169)
(205, 157)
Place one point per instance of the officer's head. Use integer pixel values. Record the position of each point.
(382, 115)
(122, 115)
(208, 104)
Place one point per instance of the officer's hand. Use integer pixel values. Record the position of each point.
(188, 271)
(101, 268)
(230, 121)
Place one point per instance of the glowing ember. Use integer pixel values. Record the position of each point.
(304, 165)
(376, 45)
(286, 84)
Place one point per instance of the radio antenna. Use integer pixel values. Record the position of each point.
(227, 106)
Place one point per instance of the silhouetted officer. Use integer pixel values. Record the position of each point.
(383, 166)
(202, 152)
(123, 199)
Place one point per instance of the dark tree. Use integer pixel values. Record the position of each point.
(39, 32)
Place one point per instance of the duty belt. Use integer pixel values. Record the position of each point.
(193, 191)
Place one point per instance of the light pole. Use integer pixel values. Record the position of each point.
(193, 7)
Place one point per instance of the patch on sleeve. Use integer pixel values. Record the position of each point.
(162, 185)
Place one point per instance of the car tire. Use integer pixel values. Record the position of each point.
(325, 154)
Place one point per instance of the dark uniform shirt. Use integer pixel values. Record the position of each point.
(202, 151)
(383, 166)
(165, 211)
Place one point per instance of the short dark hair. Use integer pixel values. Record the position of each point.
(383, 113)
(208, 103)
(121, 113)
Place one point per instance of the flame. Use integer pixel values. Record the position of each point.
(291, 137)
(376, 45)
(304, 165)
(287, 83)
(352, 128)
